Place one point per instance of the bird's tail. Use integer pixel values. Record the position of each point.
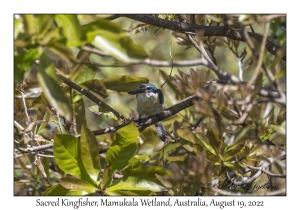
(161, 132)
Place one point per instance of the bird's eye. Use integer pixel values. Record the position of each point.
(148, 88)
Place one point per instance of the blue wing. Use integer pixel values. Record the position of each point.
(161, 96)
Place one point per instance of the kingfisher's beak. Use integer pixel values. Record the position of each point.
(136, 91)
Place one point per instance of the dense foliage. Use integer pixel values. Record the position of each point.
(76, 130)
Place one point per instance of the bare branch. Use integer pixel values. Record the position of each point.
(267, 172)
(36, 148)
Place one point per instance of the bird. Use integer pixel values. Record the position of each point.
(150, 101)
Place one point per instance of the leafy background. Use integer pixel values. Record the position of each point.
(108, 56)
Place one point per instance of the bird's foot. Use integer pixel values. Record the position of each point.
(139, 120)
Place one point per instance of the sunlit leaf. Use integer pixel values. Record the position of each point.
(66, 153)
(30, 22)
(229, 154)
(73, 183)
(71, 28)
(50, 85)
(17, 27)
(142, 178)
(89, 153)
(130, 193)
(124, 83)
(180, 158)
(124, 147)
(44, 23)
(85, 73)
(215, 143)
(106, 177)
(59, 190)
(51, 37)
(111, 38)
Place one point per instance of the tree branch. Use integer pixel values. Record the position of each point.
(91, 96)
(262, 165)
(235, 34)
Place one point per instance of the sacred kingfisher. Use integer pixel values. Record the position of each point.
(150, 101)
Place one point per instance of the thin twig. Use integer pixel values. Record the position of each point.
(240, 68)
(261, 53)
(59, 123)
(170, 49)
(196, 124)
(25, 108)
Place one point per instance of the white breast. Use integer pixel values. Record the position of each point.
(148, 104)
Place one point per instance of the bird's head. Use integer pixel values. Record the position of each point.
(148, 90)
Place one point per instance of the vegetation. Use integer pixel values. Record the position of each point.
(76, 130)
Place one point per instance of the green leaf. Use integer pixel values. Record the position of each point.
(23, 62)
(79, 111)
(66, 153)
(124, 147)
(30, 23)
(188, 135)
(62, 51)
(280, 74)
(216, 144)
(73, 183)
(50, 85)
(59, 190)
(130, 193)
(44, 23)
(106, 177)
(245, 133)
(142, 178)
(82, 57)
(111, 38)
(180, 158)
(96, 87)
(71, 28)
(229, 154)
(43, 114)
(124, 83)
(51, 37)
(85, 73)
(89, 153)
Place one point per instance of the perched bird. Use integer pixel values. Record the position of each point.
(150, 101)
